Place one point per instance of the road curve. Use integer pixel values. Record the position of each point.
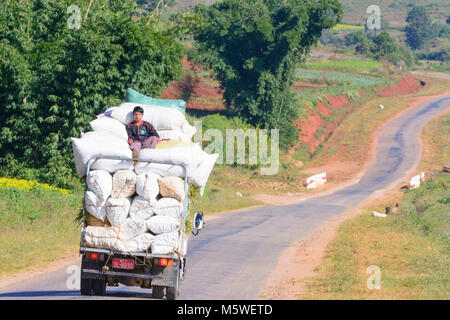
(236, 252)
(439, 75)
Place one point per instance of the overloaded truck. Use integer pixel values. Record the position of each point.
(163, 273)
(135, 210)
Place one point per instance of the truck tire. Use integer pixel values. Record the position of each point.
(157, 292)
(172, 293)
(99, 287)
(85, 287)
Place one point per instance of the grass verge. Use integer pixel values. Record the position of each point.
(411, 248)
(36, 227)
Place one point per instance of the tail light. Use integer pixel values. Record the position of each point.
(92, 255)
(164, 262)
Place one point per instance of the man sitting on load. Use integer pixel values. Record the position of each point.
(141, 134)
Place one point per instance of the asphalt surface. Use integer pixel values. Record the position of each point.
(431, 74)
(236, 252)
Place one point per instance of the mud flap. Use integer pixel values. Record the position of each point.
(169, 274)
(93, 266)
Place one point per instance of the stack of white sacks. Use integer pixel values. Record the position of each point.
(138, 207)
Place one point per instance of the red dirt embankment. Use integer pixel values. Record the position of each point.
(406, 85)
(310, 125)
(205, 92)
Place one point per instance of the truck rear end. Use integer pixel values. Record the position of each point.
(162, 273)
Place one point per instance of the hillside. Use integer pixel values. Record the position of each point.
(393, 11)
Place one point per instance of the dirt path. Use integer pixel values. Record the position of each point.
(301, 260)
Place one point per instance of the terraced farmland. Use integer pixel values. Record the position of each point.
(345, 65)
(357, 79)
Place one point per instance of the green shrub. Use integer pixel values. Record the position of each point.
(54, 80)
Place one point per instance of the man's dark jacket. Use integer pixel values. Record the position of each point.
(140, 132)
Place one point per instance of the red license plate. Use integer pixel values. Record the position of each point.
(123, 264)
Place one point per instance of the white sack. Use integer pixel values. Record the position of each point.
(190, 155)
(140, 243)
(142, 209)
(147, 185)
(106, 238)
(101, 243)
(162, 224)
(131, 228)
(96, 146)
(117, 210)
(165, 243)
(112, 165)
(100, 136)
(99, 237)
(200, 175)
(124, 184)
(162, 169)
(172, 187)
(100, 182)
(188, 130)
(174, 135)
(100, 232)
(94, 205)
(169, 207)
(110, 126)
(161, 118)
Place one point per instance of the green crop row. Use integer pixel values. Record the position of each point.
(357, 79)
(309, 98)
(345, 64)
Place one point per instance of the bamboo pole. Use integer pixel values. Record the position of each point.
(88, 9)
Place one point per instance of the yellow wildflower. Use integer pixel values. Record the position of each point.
(21, 184)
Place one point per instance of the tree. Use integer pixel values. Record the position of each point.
(362, 43)
(253, 47)
(419, 29)
(55, 79)
(384, 45)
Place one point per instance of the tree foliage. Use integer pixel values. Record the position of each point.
(152, 5)
(382, 46)
(54, 80)
(419, 29)
(253, 47)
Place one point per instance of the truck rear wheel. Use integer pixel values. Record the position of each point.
(99, 287)
(157, 292)
(172, 293)
(86, 286)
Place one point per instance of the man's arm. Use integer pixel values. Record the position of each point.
(130, 134)
(151, 130)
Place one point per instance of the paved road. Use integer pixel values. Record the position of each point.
(233, 256)
(431, 74)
